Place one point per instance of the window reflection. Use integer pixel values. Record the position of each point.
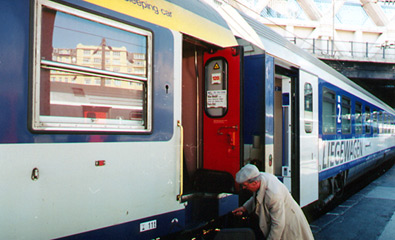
(86, 43)
(358, 118)
(308, 108)
(368, 120)
(346, 115)
(328, 112)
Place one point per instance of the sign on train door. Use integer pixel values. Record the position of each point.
(221, 120)
(308, 137)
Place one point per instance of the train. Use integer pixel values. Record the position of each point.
(128, 119)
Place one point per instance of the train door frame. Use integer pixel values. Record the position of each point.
(284, 109)
(304, 158)
(194, 112)
(192, 85)
(287, 73)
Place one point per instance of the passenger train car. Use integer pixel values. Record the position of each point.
(128, 119)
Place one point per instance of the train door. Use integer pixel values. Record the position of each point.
(222, 110)
(308, 137)
(286, 130)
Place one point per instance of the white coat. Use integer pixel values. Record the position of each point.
(280, 217)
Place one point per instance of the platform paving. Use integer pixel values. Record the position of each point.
(367, 215)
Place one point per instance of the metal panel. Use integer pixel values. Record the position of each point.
(254, 108)
(269, 113)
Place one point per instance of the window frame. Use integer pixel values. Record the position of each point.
(39, 64)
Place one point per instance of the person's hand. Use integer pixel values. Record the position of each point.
(239, 211)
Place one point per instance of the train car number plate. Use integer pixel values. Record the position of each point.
(145, 226)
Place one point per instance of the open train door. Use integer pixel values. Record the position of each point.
(308, 138)
(222, 110)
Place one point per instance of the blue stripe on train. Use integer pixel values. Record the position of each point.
(327, 173)
(165, 224)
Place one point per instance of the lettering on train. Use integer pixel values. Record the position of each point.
(339, 152)
(148, 6)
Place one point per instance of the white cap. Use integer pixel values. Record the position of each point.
(246, 173)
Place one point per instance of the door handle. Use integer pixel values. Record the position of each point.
(230, 133)
(231, 128)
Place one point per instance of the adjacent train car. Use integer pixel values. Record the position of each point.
(319, 125)
(128, 119)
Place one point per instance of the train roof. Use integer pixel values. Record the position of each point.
(269, 38)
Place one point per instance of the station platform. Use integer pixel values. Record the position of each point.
(368, 214)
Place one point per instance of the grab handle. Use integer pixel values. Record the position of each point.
(181, 160)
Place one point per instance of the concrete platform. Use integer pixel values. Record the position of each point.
(367, 215)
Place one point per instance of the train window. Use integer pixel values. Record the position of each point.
(358, 118)
(375, 121)
(216, 87)
(381, 122)
(386, 123)
(328, 112)
(308, 108)
(346, 115)
(389, 122)
(91, 74)
(368, 120)
(393, 125)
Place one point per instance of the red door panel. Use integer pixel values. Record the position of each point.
(221, 120)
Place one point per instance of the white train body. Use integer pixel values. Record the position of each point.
(129, 119)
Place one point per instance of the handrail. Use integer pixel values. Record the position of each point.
(179, 196)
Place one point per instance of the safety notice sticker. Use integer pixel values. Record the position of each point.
(217, 99)
(216, 78)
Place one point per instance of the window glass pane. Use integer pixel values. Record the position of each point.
(328, 113)
(86, 102)
(91, 76)
(358, 118)
(216, 88)
(86, 43)
(346, 115)
(375, 121)
(393, 124)
(368, 120)
(308, 108)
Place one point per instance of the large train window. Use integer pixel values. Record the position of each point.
(358, 118)
(328, 112)
(308, 108)
(91, 74)
(368, 120)
(346, 115)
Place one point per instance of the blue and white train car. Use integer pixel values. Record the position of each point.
(128, 119)
(319, 125)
